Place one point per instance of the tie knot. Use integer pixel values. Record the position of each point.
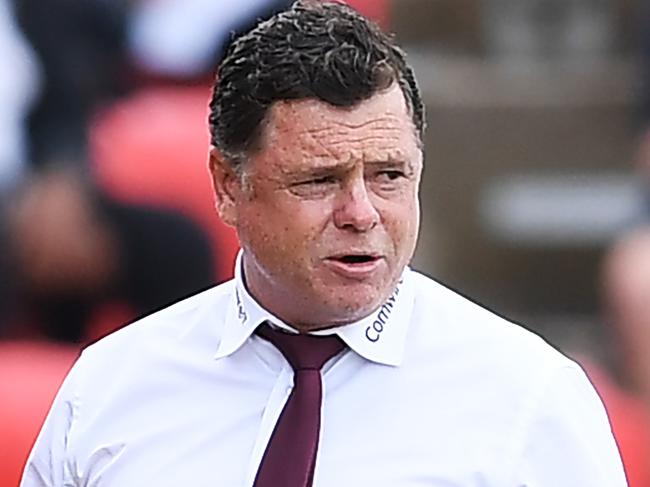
(303, 352)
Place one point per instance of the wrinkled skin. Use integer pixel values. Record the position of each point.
(326, 183)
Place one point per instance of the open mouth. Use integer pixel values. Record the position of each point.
(357, 266)
(356, 259)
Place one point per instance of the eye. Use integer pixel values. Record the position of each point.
(319, 181)
(317, 187)
(391, 175)
(388, 181)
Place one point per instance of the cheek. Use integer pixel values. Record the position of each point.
(401, 222)
(287, 233)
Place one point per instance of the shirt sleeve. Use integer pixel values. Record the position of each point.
(47, 465)
(568, 440)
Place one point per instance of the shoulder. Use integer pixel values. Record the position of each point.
(446, 322)
(130, 371)
(191, 326)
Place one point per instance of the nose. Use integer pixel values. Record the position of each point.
(355, 211)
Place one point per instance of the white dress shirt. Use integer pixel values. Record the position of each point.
(433, 391)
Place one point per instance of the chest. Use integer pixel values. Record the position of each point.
(377, 429)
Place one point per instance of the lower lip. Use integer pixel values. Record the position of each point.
(353, 271)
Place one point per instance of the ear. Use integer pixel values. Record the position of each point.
(226, 186)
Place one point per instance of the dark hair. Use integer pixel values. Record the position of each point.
(321, 50)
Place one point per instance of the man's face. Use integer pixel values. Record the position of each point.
(327, 209)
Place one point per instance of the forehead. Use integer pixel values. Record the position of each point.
(379, 127)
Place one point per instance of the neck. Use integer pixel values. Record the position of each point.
(293, 308)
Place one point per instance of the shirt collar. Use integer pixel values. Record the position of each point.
(379, 337)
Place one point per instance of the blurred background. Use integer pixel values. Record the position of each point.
(536, 192)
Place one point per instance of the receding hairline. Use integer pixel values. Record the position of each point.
(297, 103)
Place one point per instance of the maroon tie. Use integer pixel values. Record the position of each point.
(290, 456)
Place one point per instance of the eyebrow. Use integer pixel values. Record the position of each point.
(394, 163)
(328, 169)
(321, 170)
(391, 161)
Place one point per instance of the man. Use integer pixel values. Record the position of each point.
(317, 129)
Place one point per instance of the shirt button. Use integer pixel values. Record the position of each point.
(288, 390)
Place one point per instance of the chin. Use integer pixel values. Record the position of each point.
(350, 309)
(349, 301)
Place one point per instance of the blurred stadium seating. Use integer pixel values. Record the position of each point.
(152, 148)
